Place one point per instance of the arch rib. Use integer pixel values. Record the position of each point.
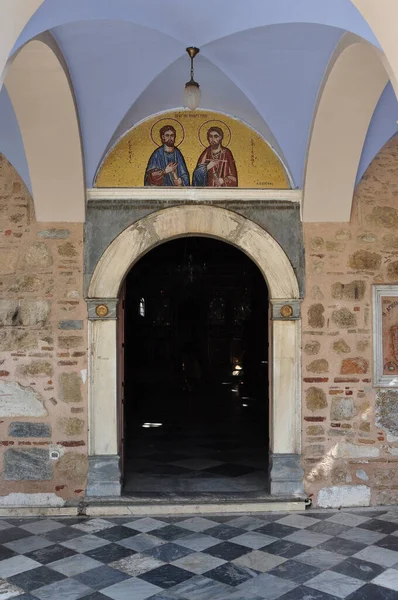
(39, 89)
(352, 88)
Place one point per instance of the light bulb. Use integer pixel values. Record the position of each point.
(192, 95)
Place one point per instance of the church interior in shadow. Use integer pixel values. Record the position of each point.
(195, 412)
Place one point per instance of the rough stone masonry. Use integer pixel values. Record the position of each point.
(350, 443)
(43, 354)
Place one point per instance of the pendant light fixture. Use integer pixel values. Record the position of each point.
(192, 89)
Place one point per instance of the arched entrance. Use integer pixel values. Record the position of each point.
(195, 409)
(110, 272)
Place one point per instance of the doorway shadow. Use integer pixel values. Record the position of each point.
(196, 371)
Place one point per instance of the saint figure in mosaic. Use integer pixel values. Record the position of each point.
(216, 165)
(166, 165)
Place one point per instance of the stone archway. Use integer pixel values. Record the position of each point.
(285, 392)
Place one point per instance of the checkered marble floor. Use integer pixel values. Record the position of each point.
(316, 555)
(190, 461)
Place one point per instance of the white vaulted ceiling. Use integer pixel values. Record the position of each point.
(265, 61)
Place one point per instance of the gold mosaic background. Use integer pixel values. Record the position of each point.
(257, 164)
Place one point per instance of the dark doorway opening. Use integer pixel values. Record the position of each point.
(196, 411)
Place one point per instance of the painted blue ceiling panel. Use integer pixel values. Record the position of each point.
(111, 63)
(199, 25)
(11, 144)
(263, 64)
(280, 69)
(276, 70)
(218, 93)
(383, 126)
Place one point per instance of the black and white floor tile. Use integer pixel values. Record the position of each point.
(195, 462)
(316, 555)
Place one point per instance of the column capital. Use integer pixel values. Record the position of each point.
(102, 308)
(288, 309)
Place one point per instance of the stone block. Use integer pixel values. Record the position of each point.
(33, 313)
(29, 430)
(286, 475)
(390, 241)
(344, 496)
(27, 283)
(344, 318)
(342, 408)
(53, 233)
(315, 316)
(362, 260)
(339, 474)
(334, 432)
(37, 368)
(343, 235)
(72, 467)
(315, 399)
(70, 387)
(349, 291)
(38, 256)
(317, 243)
(23, 313)
(36, 499)
(71, 426)
(320, 365)
(16, 340)
(19, 401)
(367, 238)
(315, 430)
(8, 312)
(348, 450)
(311, 348)
(356, 365)
(70, 341)
(361, 474)
(386, 410)
(392, 271)
(362, 345)
(384, 476)
(8, 260)
(67, 249)
(341, 347)
(31, 464)
(316, 293)
(71, 324)
(335, 246)
(364, 426)
(104, 476)
(383, 216)
(314, 450)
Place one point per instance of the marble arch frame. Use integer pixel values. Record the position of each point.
(285, 390)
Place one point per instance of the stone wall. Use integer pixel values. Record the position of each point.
(350, 448)
(43, 354)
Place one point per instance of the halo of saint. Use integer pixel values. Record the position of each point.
(160, 124)
(207, 125)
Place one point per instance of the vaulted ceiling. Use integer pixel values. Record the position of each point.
(312, 76)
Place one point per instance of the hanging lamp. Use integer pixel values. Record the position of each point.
(192, 88)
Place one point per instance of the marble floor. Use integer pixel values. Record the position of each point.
(315, 555)
(190, 459)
